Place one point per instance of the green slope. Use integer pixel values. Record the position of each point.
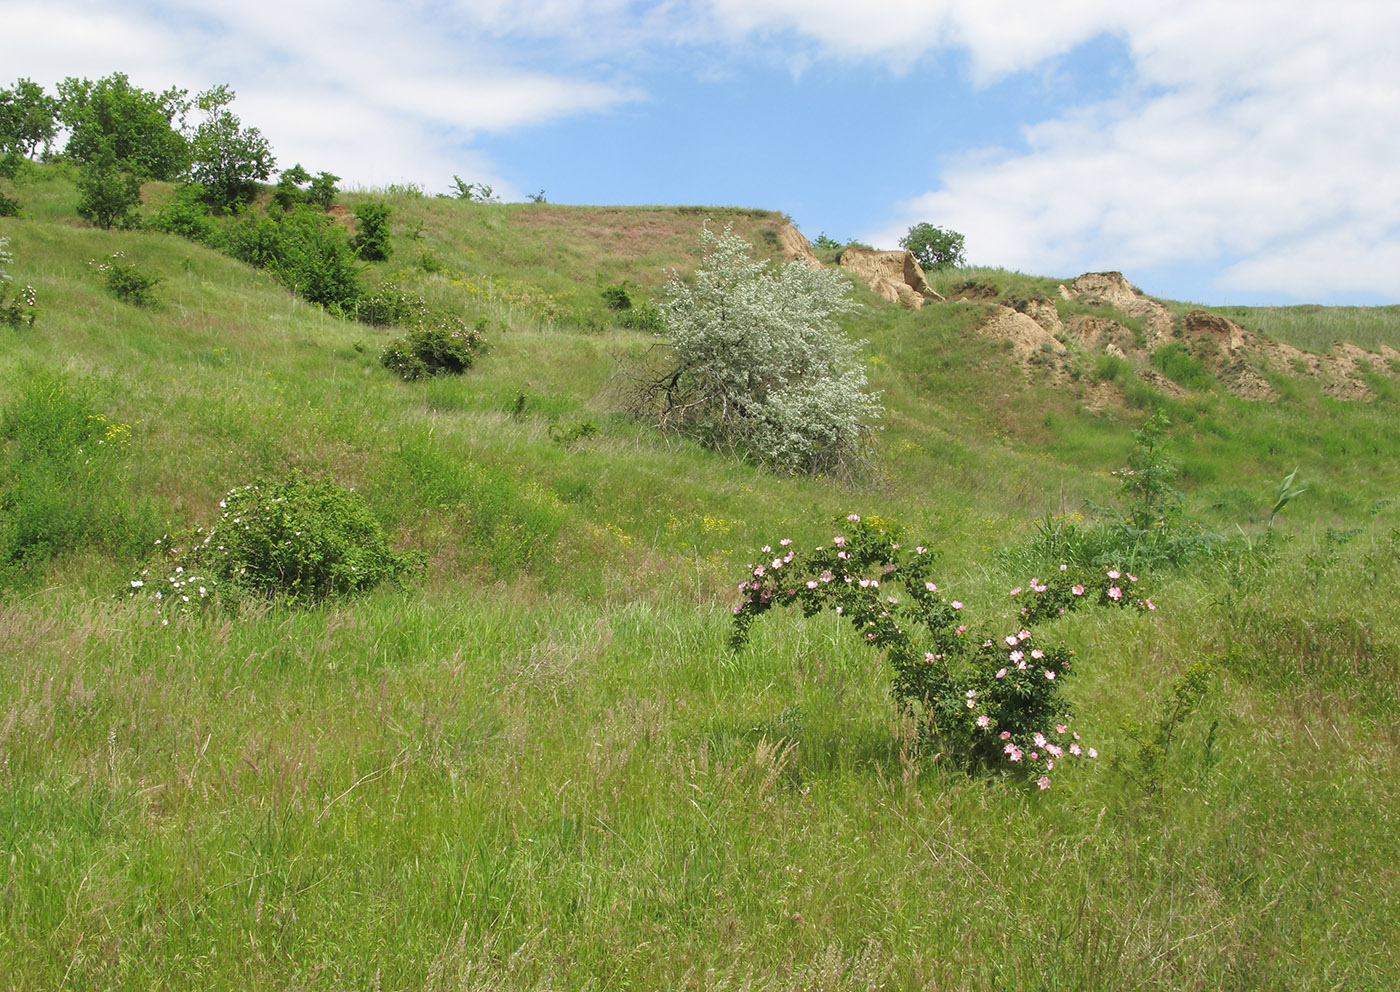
(538, 765)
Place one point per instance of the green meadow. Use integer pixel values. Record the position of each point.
(536, 762)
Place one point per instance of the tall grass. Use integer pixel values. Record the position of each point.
(539, 766)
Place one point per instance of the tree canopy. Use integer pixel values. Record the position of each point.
(28, 118)
(757, 364)
(142, 127)
(227, 159)
(934, 247)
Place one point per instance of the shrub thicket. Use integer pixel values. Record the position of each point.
(445, 346)
(301, 539)
(305, 249)
(757, 364)
(371, 241)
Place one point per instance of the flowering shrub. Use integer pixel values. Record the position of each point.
(987, 698)
(127, 282)
(304, 540)
(175, 589)
(19, 308)
(447, 347)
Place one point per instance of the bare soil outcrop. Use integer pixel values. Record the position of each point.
(1136, 326)
(893, 275)
(796, 248)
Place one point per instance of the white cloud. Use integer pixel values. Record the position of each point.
(1258, 137)
(379, 91)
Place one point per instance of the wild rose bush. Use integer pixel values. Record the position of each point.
(300, 540)
(986, 698)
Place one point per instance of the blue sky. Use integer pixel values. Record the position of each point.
(1213, 150)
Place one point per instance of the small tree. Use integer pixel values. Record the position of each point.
(321, 192)
(756, 362)
(478, 192)
(934, 248)
(28, 118)
(372, 242)
(296, 186)
(289, 190)
(228, 160)
(141, 126)
(108, 193)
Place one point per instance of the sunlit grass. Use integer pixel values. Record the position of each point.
(538, 764)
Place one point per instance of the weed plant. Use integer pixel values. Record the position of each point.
(62, 485)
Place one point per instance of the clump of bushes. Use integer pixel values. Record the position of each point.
(301, 539)
(372, 242)
(306, 249)
(617, 298)
(446, 346)
(186, 214)
(128, 282)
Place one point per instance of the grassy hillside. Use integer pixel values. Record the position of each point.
(538, 764)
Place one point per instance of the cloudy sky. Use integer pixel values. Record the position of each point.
(1243, 151)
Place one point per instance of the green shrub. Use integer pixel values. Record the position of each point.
(617, 298)
(303, 540)
(477, 192)
(296, 186)
(306, 249)
(646, 317)
(571, 434)
(9, 206)
(1175, 361)
(371, 241)
(390, 305)
(1111, 368)
(128, 282)
(186, 214)
(1150, 529)
(313, 257)
(321, 191)
(445, 347)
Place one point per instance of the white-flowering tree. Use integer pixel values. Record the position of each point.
(756, 363)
